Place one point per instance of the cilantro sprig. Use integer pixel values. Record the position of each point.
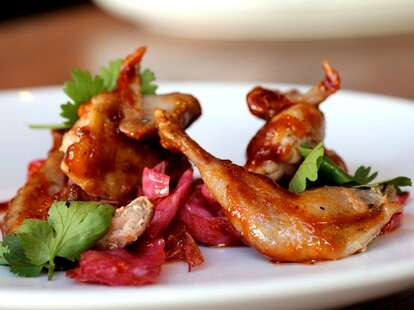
(71, 228)
(83, 86)
(308, 170)
(316, 167)
(147, 83)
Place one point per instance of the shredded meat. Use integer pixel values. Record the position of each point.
(128, 224)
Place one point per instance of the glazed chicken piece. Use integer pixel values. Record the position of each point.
(109, 146)
(292, 119)
(137, 111)
(101, 154)
(100, 159)
(320, 224)
(35, 197)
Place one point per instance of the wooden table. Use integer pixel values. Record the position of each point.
(42, 50)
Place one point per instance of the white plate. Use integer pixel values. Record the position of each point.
(363, 128)
(267, 19)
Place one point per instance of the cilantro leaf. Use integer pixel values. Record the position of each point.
(48, 126)
(331, 174)
(80, 89)
(71, 229)
(78, 226)
(396, 182)
(83, 86)
(69, 111)
(3, 251)
(19, 263)
(308, 170)
(362, 175)
(35, 237)
(110, 74)
(147, 86)
(26, 270)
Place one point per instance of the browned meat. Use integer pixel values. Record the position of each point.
(319, 224)
(102, 154)
(100, 159)
(137, 111)
(128, 224)
(35, 197)
(292, 119)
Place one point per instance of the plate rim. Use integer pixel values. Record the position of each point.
(188, 294)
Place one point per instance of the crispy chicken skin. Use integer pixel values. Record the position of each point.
(102, 154)
(292, 119)
(320, 224)
(35, 197)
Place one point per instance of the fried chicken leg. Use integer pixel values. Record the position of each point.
(319, 224)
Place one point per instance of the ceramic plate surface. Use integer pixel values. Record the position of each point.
(363, 128)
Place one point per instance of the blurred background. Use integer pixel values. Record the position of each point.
(370, 42)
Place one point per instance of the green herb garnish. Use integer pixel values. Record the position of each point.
(147, 86)
(308, 170)
(83, 86)
(71, 228)
(328, 173)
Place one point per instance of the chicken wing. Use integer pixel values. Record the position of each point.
(319, 224)
(292, 119)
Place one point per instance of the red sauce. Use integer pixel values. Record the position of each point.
(4, 206)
